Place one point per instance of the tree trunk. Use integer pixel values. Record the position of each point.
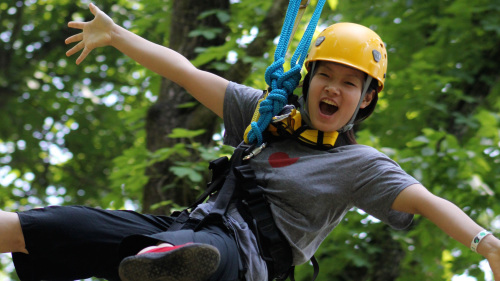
(164, 115)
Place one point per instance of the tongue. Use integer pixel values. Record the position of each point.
(327, 109)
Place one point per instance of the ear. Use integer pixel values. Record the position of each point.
(368, 99)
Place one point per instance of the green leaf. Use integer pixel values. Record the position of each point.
(188, 104)
(223, 16)
(184, 133)
(206, 55)
(333, 4)
(187, 172)
(208, 33)
(418, 141)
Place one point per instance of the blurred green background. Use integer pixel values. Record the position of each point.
(111, 134)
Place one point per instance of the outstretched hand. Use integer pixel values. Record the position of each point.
(95, 33)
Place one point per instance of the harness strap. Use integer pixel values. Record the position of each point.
(220, 168)
(225, 194)
(315, 268)
(255, 209)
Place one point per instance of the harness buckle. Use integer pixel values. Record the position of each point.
(254, 152)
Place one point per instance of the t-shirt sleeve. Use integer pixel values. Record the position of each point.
(239, 105)
(377, 184)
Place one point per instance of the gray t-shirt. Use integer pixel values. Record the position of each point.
(309, 190)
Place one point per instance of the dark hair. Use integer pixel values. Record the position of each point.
(363, 113)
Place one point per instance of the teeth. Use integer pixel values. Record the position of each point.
(330, 102)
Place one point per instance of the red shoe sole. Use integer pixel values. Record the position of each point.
(192, 262)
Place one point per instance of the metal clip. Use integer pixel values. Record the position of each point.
(285, 113)
(255, 152)
(280, 118)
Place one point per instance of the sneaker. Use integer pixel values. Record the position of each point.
(187, 262)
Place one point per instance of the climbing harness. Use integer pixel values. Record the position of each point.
(234, 181)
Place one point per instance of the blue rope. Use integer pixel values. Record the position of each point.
(282, 83)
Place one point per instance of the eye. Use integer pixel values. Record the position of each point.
(350, 83)
(323, 74)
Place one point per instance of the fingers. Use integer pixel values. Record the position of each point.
(75, 49)
(76, 24)
(80, 25)
(79, 37)
(83, 55)
(74, 38)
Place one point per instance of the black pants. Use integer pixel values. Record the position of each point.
(70, 243)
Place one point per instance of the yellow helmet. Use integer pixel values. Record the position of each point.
(353, 45)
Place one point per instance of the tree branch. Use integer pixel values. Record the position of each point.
(269, 29)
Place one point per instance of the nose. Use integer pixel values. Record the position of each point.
(332, 88)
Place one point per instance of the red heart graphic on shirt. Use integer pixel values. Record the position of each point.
(281, 159)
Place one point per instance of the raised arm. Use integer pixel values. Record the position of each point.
(206, 87)
(416, 199)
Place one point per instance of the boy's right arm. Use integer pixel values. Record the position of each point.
(206, 87)
(416, 199)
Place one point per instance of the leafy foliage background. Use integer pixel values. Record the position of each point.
(75, 134)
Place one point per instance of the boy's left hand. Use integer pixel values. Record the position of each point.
(95, 33)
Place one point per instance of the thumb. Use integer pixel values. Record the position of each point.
(93, 9)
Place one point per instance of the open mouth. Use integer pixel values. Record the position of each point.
(328, 107)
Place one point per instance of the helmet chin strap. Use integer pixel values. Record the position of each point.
(350, 124)
(305, 110)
